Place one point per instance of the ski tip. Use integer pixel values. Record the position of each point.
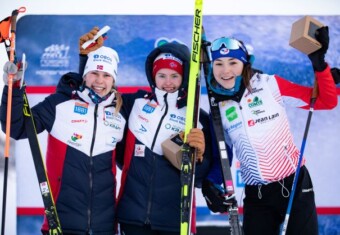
(23, 69)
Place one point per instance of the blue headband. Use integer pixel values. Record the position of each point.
(225, 52)
(229, 47)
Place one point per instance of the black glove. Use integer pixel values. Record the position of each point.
(336, 75)
(318, 57)
(215, 197)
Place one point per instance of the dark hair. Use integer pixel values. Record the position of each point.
(247, 73)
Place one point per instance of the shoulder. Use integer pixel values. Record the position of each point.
(130, 97)
(69, 82)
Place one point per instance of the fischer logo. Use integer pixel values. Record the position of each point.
(197, 37)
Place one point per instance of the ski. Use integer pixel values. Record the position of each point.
(234, 222)
(188, 165)
(44, 186)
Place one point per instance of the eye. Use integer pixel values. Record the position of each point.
(160, 75)
(94, 72)
(218, 63)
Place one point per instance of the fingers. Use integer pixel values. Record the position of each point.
(10, 68)
(196, 140)
(195, 137)
(322, 35)
(89, 36)
(99, 43)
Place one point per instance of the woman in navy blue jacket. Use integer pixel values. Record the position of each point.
(150, 194)
(84, 125)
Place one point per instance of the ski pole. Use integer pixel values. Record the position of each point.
(304, 140)
(8, 118)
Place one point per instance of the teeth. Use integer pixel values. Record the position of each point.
(98, 88)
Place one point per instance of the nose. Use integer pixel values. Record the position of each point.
(226, 70)
(99, 78)
(168, 80)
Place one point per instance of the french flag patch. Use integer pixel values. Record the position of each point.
(100, 67)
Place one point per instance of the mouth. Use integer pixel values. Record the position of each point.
(226, 78)
(169, 89)
(98, 89)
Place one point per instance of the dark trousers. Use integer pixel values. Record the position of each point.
(265, 207)
(130, 229)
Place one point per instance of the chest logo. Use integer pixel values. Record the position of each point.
(139, 150)
(254, 102)
(81, 108)
(231, 114)
(149, 108)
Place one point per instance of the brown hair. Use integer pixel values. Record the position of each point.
(246, 75)
(119, 99)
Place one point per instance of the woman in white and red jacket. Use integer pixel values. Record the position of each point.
(83, 126)
(255, 123)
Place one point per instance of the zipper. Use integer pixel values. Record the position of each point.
(89, 209)
(147, 220)
(160, 121)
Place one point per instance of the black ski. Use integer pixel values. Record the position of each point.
(44, 186)
(234, 222)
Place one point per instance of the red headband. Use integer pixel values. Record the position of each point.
(167, 61)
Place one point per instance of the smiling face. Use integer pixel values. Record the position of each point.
(168, 80)
(226, 69)
(100, 82)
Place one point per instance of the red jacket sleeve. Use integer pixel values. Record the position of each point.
(327, 94)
